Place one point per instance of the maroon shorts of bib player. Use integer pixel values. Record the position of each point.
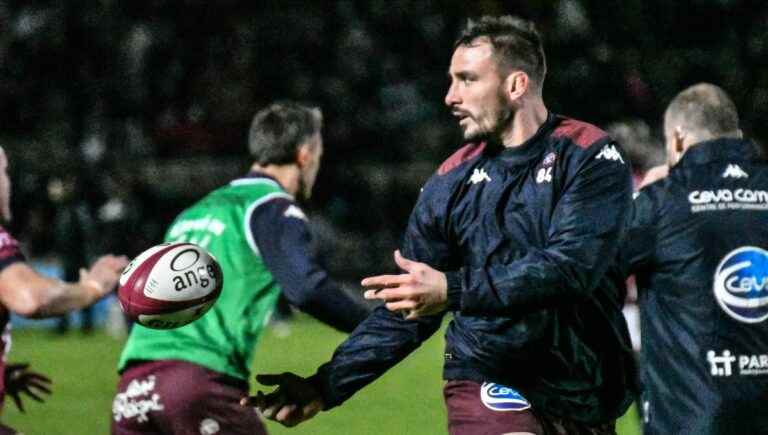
(467, 415)
(7, 430)
(180, 398)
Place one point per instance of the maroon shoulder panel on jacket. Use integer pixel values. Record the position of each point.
(581, 133)
(9, 247)
(467, 152)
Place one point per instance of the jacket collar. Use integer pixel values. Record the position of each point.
(722, 149)
(258, 174)
(528, 149)
(254, 177)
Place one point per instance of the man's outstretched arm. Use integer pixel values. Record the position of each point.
(282, 236)
(30, 294)
(381, 341)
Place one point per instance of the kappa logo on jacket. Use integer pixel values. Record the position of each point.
(478, 175)
(609, 152)
(294, 212)
(734, 171)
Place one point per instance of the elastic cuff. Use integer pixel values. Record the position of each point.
(320, 386)
(454, 290)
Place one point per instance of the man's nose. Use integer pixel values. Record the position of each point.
(452, 96)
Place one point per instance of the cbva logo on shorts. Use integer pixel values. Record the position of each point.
(741, 284)
(500, 398)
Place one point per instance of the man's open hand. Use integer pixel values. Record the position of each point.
(421, 291)
(104, 274)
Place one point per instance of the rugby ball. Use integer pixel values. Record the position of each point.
(170, 285)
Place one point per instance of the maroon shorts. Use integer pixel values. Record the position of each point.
(7, 430)
(178, 397)
(492, 409)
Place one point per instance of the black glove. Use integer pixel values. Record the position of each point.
(20, 380)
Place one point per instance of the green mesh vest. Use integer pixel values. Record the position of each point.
(224, 338)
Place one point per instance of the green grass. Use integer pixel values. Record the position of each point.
(407, 400)
(84, 380)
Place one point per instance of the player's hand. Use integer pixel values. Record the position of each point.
(294, 401)
(19, 379)
(103, 274)
(422, 291)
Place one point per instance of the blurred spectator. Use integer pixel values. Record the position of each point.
(123, 219)
(643, 149)
(75, 237)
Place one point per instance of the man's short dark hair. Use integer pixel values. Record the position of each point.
(704, 107)
(280, 129)
(516, 43)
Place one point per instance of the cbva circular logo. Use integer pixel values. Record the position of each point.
(500, 398)
(741, 284)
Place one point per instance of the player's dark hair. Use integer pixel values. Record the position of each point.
(705, 107)
(516, 43)
(643, 149)
(278, 130)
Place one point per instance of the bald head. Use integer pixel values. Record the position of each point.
(699, 113)
(703, 109)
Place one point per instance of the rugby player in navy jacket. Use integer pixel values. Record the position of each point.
(524, 221)
(697, 243)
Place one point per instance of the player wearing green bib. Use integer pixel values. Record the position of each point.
(193, 376)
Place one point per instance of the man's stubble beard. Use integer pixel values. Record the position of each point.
(503, 119)
(504, 116)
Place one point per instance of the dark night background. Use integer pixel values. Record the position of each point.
(130, 110)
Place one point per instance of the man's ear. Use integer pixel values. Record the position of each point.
(679, 138)
(303, 155)
(516, 84)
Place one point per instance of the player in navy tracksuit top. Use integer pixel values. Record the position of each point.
(517, 235)
(539, 225)
(698, 243)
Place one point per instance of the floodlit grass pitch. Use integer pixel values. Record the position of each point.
(407, 400)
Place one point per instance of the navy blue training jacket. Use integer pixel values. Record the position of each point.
(280, 230)
(528, 237)
(698, 243)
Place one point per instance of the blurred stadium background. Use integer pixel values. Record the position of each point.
(117, 114)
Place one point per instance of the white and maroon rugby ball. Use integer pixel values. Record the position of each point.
(170, 285)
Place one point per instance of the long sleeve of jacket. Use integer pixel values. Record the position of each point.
(286, 250)
(639, 243)
(586, 228)
(385, 338)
